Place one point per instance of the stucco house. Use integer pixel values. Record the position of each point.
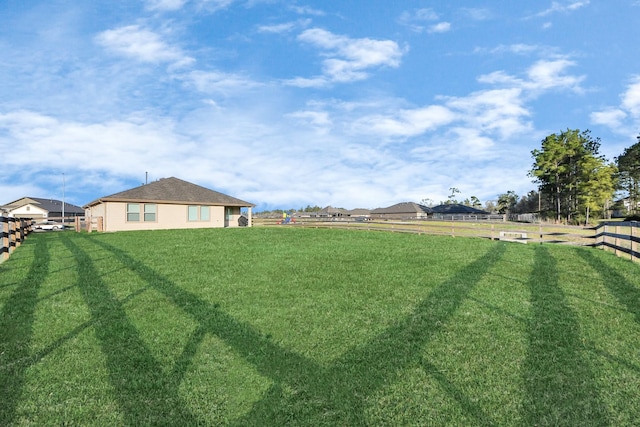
(404, 210)
(39, 209)
(169, 203)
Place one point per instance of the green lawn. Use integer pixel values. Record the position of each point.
(293, 326)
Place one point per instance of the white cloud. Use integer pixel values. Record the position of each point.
(477, 14)
(165, 4)
(306, 10)
(417, 20)
(557, 7)
(319, 119)
(631, 98)
(303, 82)
(497, 112)
(516, 48)
(278, 28)
(441, 27)
(542, 76)
(549, 74)
(404, 123)
(348, 59)
(143, 45)
(219, 82)
(612, 118)
(625, 118)
(214, 5)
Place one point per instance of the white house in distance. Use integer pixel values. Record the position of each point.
(38, 209)
(169, 203)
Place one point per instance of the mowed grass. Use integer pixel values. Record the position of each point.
(292, 326)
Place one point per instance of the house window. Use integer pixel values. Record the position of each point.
(204, 213)
(198, 213)
(193, 213)
(150, 212)
(229, 214)
(133, 212)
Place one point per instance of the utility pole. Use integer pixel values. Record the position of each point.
(63, 184)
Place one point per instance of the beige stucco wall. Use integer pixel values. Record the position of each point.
(168, 216)
(29, 211)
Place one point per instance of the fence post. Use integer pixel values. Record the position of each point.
(617, 240)
(12, 234)
(633, 244)
(5, 237)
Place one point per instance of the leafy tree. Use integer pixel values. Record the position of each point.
(507, 202)
(597, 185)
(490, 206)
(451, 200)
(559, 169)
(475, 202)
(629, 174)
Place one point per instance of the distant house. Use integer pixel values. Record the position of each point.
(331, 212)
(455, 209)
(169, 203)
(404, 210)
(39, 209)
(359, 213)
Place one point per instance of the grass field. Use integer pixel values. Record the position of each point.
(296, 326)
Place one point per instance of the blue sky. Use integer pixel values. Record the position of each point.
(353, 103)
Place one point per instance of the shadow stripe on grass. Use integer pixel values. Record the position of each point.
(559, 381)
(625, 292)
(145, 395)
(321, 395)
(16, 331)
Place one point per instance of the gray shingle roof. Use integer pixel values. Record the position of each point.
(49, 205)
(403, 208)
(457, 209)
(175, 191)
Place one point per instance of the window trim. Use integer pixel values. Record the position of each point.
(196, 213)
(141, 212)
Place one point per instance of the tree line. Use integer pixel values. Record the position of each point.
(575, 183)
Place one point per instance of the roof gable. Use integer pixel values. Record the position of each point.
(403, 208)
(456, 208)
(48, 205)
(176, 191)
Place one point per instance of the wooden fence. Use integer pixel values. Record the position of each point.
(89, 224)
(14, 231)
(499, 230)
(620, 237)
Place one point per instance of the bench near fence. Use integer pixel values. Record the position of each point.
(14, 231)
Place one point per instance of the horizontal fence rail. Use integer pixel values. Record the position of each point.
(619, 237)
(499, 230)
(14, 231)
